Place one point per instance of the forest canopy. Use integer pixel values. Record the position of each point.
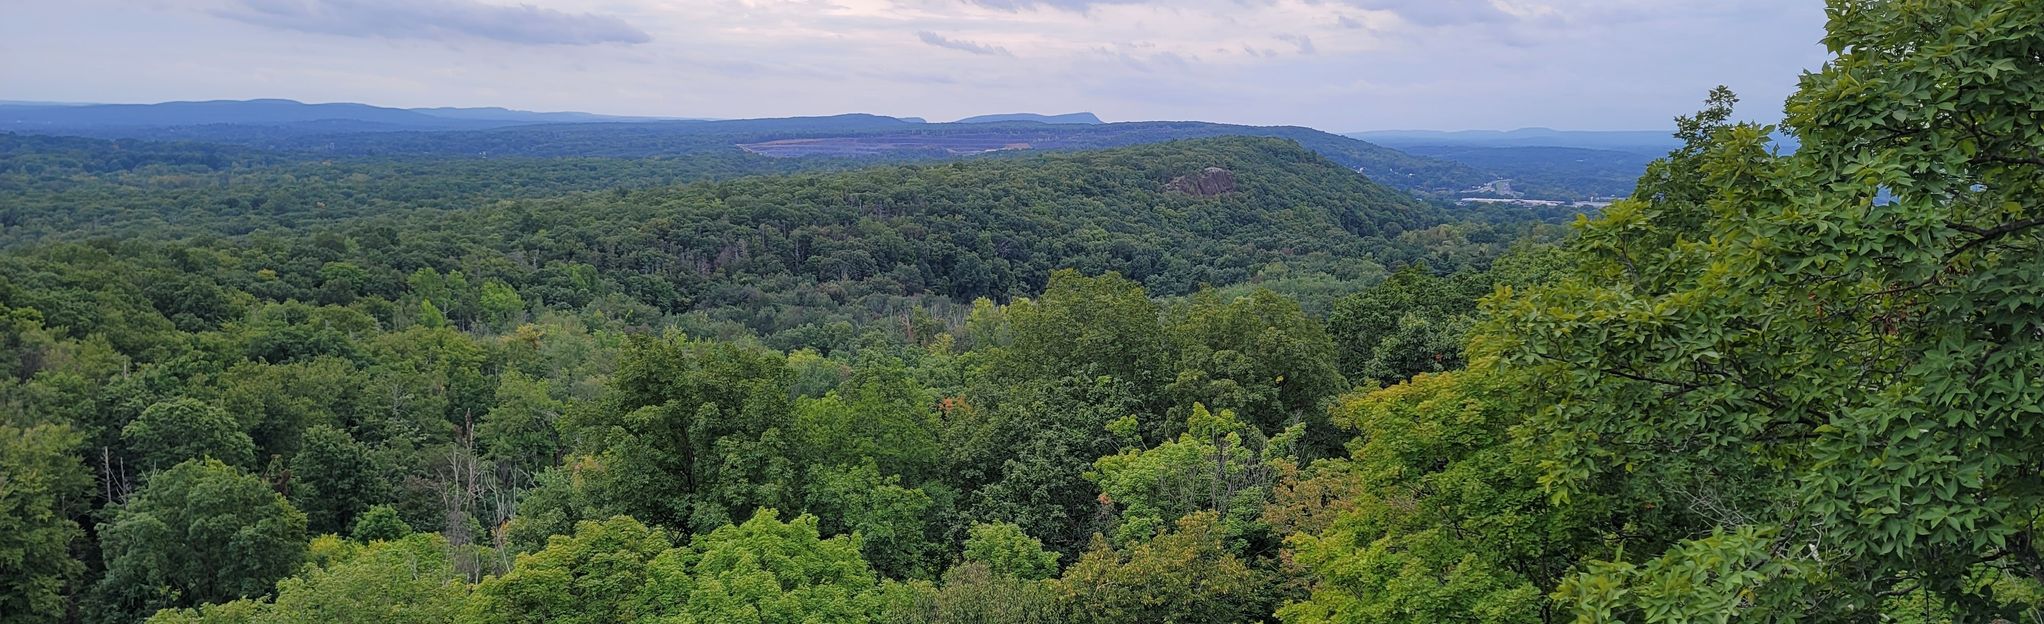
(1066, 388)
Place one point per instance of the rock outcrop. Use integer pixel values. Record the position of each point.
(1207, 183)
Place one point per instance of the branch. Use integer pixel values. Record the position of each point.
(2025, 550)
(2009, 160)
(1988, 235)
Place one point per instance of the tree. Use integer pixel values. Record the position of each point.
(405, 581)
(333, 477)
(173, 431)
(1219, 465)
(880, 415)
(199, 532)
(1037, 446)
(973, 593)
(1261, 357)
(430, 315)
(1186, 575)
(593, 576)
(694, 432)
(43, 487)
(521, 432)
(1833, 353)
(766, 571)
(560, 498)
(1414, 322)
(1005, 550)
(892, 523)
(500, 303)
(1445, 520)
(1087, 327)
(277, 402)
(380, 523)
(619, 570)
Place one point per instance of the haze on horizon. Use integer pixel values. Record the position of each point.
(1338, 65)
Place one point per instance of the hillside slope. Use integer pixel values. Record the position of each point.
(868, 138)
(777, 253)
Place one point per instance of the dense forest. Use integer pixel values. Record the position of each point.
(716, 147)
(1217, 380)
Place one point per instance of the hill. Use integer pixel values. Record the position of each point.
(752, 251)
(865, 136)
(1654, 143)
(241, 112)
(1550, 172)
(138, 120)
(326, 131)
(1067, 118)
(496, 113)
(1540, 162)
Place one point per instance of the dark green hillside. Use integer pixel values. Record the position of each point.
(975, 229)
(631, 140)
(767, 254)
(718, 142)
(71, 188)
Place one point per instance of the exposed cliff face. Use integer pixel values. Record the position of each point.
(1207, 183)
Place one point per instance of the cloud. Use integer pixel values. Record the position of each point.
(436, 19)
(961, 45)
(1065, 5)
(1560, 63)
(1304, 42)
(1440, 12)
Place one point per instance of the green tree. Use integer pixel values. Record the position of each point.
(277, 402)
(1259, 356)
(1004, 549)
(500, 303)
(560, 497)
(43, 487)
(973, 593)
(1414, 322)
(1833, 352)
(1032, 452)
(380, 523)
(1219, 465)
(430, 315)
(333, 478)
(593, 576)
(1186, 575)
(892, 522)
(409, 580)
(521, 431)
(693, 432)
(766, 571)
(1445, 520)
(1088, 327)
(182, 429)
(199, 532)
(880, 415)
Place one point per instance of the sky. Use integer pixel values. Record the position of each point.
(1338, 65)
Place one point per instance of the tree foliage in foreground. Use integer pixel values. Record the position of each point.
(199, 532)
(1828, 359)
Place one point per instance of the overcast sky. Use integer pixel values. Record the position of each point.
(1338, 65)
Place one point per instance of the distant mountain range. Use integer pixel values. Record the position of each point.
(273, 112)
(1067, 118)
(23, 115)
(1651, 142)
(1447, 164)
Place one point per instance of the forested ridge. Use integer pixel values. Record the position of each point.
(1062, 388)
(700, 147)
